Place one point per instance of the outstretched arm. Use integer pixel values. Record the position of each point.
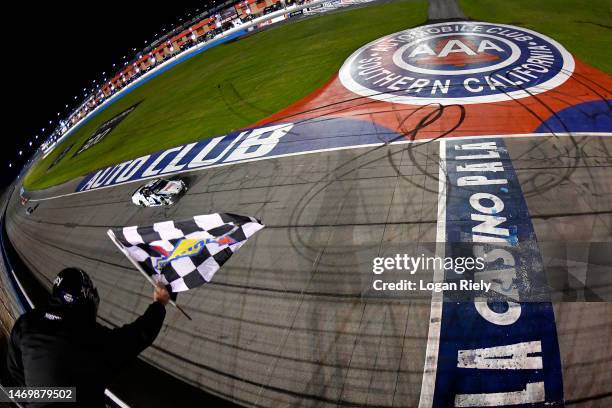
(134, 337)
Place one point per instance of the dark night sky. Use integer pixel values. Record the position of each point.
(53, 50)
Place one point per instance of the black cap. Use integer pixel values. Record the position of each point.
(73, 287)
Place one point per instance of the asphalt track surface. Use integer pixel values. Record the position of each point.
(444, 10)
(286, 321)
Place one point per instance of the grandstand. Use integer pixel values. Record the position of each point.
(202, 31)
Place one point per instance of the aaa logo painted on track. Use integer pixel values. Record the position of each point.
(464, 62)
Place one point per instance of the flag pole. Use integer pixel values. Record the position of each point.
(119, 245)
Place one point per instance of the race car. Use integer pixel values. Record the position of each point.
(159, 192)
(30, 210)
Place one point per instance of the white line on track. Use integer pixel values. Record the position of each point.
(435, 315)
(331, 149)
(115, 399)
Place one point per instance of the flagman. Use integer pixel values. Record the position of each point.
(63, 345)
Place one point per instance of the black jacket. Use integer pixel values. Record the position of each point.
(55, 347)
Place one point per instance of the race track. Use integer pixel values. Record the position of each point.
(288, 319)
(291, 320)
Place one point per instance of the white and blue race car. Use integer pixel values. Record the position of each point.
(159, 192)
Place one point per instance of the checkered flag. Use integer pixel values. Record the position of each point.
(185, 254)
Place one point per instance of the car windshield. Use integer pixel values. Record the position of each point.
(158, 185)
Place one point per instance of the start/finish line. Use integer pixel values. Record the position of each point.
(496, 353)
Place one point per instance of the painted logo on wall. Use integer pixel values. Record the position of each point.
(463, 62)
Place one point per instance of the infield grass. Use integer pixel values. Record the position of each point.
(227, 87)
(584, 27)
